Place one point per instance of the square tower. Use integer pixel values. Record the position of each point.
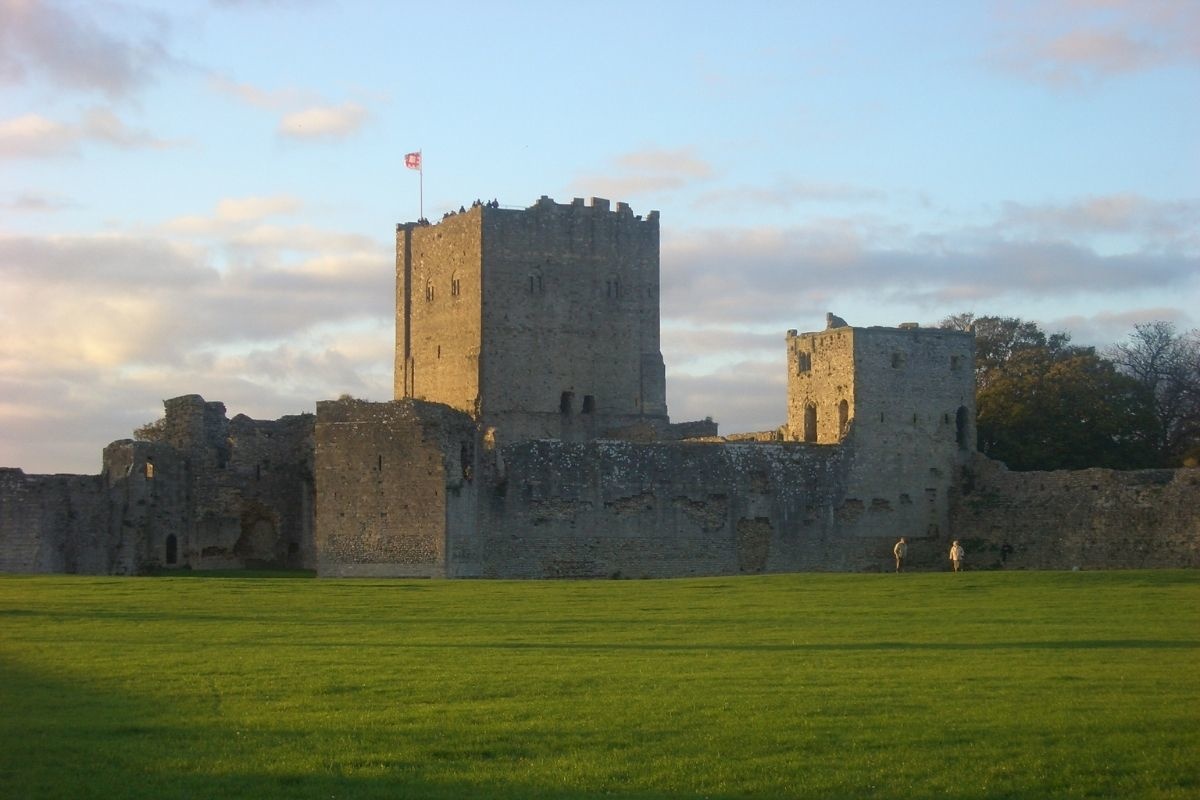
(541, 322)
(889, 383)
(902, 400)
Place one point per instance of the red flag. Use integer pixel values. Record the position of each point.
(412, 160)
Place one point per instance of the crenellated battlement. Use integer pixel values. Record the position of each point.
(540, 321)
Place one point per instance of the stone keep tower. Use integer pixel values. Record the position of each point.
(540, 323)
(903, 399)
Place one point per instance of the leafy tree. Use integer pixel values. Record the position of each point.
(1073, 410)
(155, 431)
(1043, 403)
(1168, 365)
(998, 339)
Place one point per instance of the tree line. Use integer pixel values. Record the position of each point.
(1043, 403)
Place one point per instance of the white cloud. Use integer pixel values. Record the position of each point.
(1071, 44)
(1175, 222)
(111, 324)
(270, 99)
(30, 201)
(35, 136)
(645, 172)
(69, 48)
(323, 122)
(32, 136)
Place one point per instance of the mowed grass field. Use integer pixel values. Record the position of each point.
(979, 685)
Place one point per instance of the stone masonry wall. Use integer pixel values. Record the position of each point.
(570, 319)
(387, 476)
(1090, 519)
(438, 303)
(554, 509)
(52, 523)
(249, 489)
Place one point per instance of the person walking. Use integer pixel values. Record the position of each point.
(956, 556)
(900, 551)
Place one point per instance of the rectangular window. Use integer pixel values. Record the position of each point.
(589, 404)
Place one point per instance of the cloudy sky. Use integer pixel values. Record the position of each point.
(200, 197)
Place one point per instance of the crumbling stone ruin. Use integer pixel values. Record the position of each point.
(529, 437)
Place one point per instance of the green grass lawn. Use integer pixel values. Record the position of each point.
(980, 685)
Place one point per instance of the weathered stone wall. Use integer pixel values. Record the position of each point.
(542, 322)
(607, 508)
(53, 523)
(571, 319)
(902, 400)
(1090, 519)
(211, 494)
(249, 489)
(388, 475)
(439, 299)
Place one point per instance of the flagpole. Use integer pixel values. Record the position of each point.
(421, 183)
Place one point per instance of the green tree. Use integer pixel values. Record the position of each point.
(1069, 410)
(1043, 403)
(1168, 365)
(998, 339)
(152, 431)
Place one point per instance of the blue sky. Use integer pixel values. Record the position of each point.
(200, 197)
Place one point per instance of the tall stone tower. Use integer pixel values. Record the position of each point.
(540, 323)
(904, 400)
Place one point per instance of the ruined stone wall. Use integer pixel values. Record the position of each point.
(570, 317)
(552, 509)
(388, 475)
(149, 505)
(438, 304)
(1090, 519)
(249, 488)
(211, 494)
(52, 523)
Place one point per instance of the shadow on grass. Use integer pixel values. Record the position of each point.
(59, 739)
(1087, 644)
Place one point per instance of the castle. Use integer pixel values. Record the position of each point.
(529, 437)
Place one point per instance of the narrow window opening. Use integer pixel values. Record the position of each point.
(564, 402)
(897, 360)
(439, 351)
(464, 460)
(429, 293)
(149, 469)
(589, 404)
(455, 286)
(960, 427)
(803, 362)
(379, 466)
(810, 423)
(954, 363)
(258, 472)
(172, 549)
(843, 417)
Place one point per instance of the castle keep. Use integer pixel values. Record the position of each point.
(529, 437)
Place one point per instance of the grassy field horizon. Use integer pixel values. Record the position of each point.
(979, 685)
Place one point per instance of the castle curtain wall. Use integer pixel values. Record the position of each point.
(388, 475)
(1087, 519)
(622, 509)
